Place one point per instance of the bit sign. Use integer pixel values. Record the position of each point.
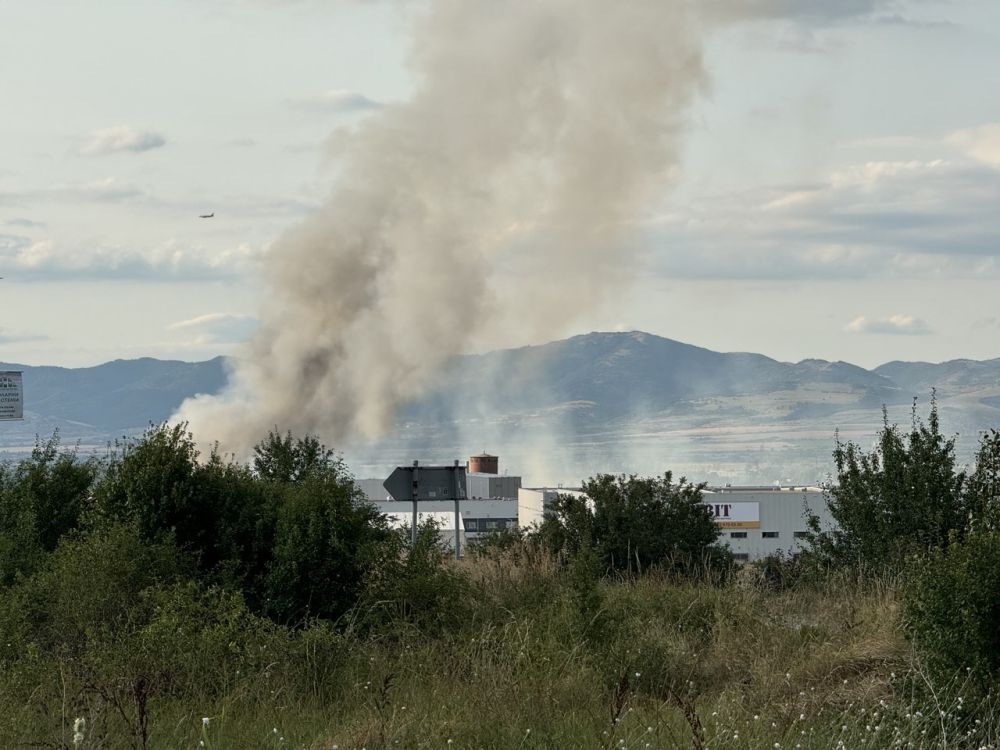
(11, 396)
(730, 515)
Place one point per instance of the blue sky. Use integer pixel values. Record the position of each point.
(837, 194)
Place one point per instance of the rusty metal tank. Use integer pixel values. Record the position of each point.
(484, 463)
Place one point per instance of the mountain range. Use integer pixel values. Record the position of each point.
(599, 401)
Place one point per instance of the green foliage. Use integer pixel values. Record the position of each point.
(952, 608)
(417, 585)
(904, 494)
(327, 539)
(632, 524)
(292, 459)
(112, 626)
(983, 487)
(215, 510)
(41, 499)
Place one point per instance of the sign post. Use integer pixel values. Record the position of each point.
(439, 483)
(11, 395)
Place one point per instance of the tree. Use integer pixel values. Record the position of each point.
(951, 607)
(327, 538)
(634, 523)
(904, 494)
(41, 499)
(217, 510)
(983, 486)
(292, 459)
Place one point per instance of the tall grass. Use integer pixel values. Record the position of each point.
(535, 657)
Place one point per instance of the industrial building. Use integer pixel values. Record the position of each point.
(759, 521)
(753, 521)
(490, 503)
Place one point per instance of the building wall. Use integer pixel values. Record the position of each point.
(477, 517)
(534, 502)
(781, 519)
(779, 515)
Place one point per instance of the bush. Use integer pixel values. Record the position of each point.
(952, 609)
(327, 540)
(417, 586)
(633, 524)
(903, 494)
(111, 627)
(41, 499)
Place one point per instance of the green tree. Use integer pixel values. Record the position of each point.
(983, 486)
(952, 608)
(634, 523)
(41, 499)
(326, 540)
(903, 494)
(292, 459)
(217, 510)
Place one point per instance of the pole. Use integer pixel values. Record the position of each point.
(414, 490)
(455, 494)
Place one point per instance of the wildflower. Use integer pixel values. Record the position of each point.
(79, 728)
(756, 717)
(204, 721)
(638, 675)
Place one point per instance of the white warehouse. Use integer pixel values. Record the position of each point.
(754, 521)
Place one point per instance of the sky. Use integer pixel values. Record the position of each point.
(837, 196)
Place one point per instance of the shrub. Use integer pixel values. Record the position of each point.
(633, 524)
(903, 494)
(952, 608)
(326, 540)
(418, 585)
(41, 499)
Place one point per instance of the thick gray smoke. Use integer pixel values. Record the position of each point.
(537, 133)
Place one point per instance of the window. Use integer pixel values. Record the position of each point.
(493, 524)
(737, 535)
(471, 524)
(741, 557)
(801, 534)
(770, 535)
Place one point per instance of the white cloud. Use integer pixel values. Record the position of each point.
(121, 138)
(45, 260)
(337, 101)
(905, 219)
(982, 142)
(20, 338)
(217, 328)
(896, 325)
(109, 189)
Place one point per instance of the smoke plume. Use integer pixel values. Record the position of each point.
(536, 134)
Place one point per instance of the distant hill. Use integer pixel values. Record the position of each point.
(119, 396)
(621, 375)
(614, 401)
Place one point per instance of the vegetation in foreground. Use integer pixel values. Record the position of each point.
(151, 600)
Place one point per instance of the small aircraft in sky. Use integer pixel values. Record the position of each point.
(206, 216)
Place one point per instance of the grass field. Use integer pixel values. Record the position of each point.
(521, 654)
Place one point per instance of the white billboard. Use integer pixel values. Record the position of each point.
(734, 515)
(11, 395)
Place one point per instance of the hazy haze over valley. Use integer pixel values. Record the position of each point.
(629, 402)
